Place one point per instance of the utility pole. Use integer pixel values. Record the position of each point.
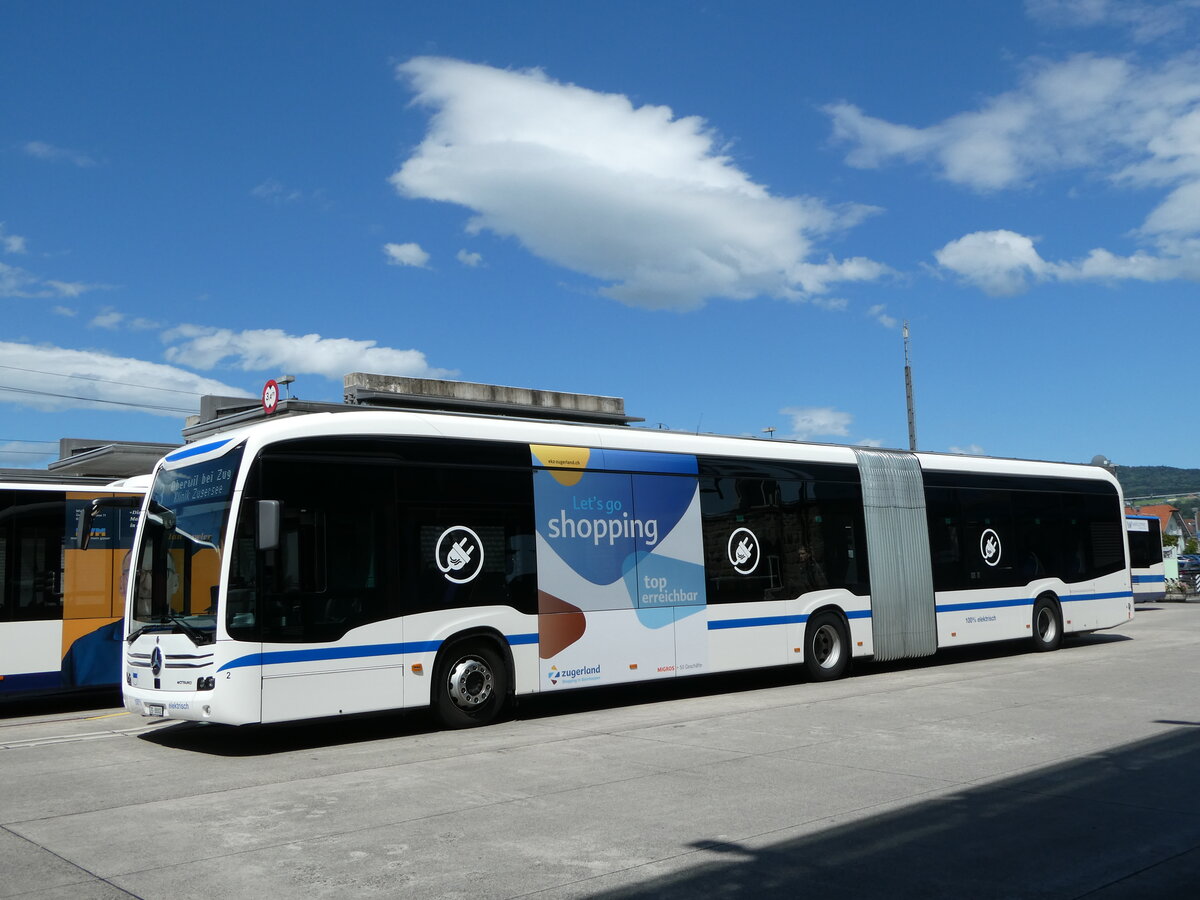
(908, 393)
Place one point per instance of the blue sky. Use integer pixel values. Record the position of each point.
(719, 211)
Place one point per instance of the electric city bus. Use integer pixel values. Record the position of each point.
(1146, 558)
(331, 564)
(62, 611)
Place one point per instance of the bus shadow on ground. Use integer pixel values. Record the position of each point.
(51, 704)
(1122, 823)
(266, 740)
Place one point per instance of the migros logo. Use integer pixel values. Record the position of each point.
(580, 673)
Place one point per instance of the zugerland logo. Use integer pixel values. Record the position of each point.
(575, 675)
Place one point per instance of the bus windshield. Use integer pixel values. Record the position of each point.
(179, 548)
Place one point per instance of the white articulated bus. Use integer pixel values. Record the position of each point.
(341, 563)
(1146, 558)
(61, 611)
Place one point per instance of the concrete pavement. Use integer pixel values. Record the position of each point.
(988, 772)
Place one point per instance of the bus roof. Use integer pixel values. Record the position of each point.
(506, 428)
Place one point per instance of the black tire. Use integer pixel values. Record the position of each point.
(1047, 625)
(470, 686)
(826, 647)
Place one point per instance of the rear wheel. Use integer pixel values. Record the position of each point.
(471, 686)
(826, 647)
(1047, 625)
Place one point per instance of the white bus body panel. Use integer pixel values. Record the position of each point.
(31, 647)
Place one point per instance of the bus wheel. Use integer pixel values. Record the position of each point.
(471, 687)
(826, 647)
(1047, 625)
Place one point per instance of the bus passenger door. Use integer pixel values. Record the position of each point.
(331, 641)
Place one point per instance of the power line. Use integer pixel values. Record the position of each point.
(96, 400)
(96, 378)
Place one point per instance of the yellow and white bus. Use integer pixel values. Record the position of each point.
(341, 563)
(61, 610)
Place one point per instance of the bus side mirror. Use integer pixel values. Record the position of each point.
(268, 524)
(83, 534)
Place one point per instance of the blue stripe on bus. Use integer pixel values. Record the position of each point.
(719, 624)
(1149, 579)
(722, 624)
(1114, 595)
(986, 604)
(278, 657)
(1029, 601)
(196, 450)
(363, 651)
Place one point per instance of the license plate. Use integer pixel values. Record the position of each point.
(155, 709)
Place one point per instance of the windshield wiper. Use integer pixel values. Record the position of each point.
(137, 633)
(198, 637)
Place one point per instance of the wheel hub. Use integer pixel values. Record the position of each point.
(1046, 625)
(470, 683)
(827, 647)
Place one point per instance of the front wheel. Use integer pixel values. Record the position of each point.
(1047, 625)
(471, 686)
(826, 647)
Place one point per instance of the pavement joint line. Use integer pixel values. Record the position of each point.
(383, 768)
(1131, 875)
(92, 877)
(335, 835)
(733, 844)
(73, 738)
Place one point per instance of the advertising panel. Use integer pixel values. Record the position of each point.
(620, 565)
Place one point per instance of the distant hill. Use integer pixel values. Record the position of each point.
(1158, 481)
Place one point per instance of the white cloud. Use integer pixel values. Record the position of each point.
(473, 260)
(1102, 116)
(969, 450)
(406, 255)
(1145, 21)
(999, 262)
(73, 288)
(1086, 111)
(275, 192)
(274, 350)
(12, 243)
(632, 196)
(812, 421)
(879, 314)
(834, 304)
(1003, 263)
(109, 319)
(1179, 214)
(17, 282)
(55, 379)
(50, 153)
